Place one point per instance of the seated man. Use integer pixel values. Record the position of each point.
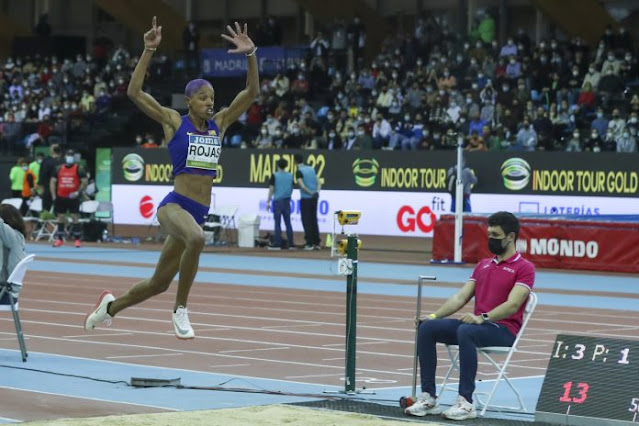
(500, 285)
(12, 236)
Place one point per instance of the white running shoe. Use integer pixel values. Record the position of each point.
(182, 325)
(425, 404)
(99, 314)
(462, 410)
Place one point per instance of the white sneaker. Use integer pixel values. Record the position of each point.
(99, 314)
(462, 410)
(182, 325)
(425, 404)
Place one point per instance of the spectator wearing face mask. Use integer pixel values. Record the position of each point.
(574, 144)
(447, 80)
(626, 143)
(278, 139)
(385, 98)
(35, 165)
(453, 112)
(66, 186)
(509, 49)
(296, 139)
(478, 52)
(332, 141)
(363, 141)
(527, 137)
(403, 130)
(600, 124)
(263, 140)
(395, 109)
(414, 140)
(592, 76)
(594, 142)
(611, 63)
(617, 125)
(476, 124)
(350, 139)
(609, 143)
(103, 102)
(513, 69)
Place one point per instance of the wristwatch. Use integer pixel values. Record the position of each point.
(485, 316)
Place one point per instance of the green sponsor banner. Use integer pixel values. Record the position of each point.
(103, 174)
(516, 172)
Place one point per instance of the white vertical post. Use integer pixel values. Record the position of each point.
(188, 10)
(459, 201)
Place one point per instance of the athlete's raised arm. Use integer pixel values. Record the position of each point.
(244, 99)
(165, 116)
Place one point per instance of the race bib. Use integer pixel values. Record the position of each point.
(203, 152)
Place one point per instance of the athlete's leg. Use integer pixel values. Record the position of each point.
(179, 223)
(165, 271)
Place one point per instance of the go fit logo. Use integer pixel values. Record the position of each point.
(409, 221)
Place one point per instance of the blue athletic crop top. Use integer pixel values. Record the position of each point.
(195, 152)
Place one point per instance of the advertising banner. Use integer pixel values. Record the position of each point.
(532, 174)
(565, 244)
(103, 174)
(383, 213)
(271, 60)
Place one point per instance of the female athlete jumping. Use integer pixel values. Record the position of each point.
(195, 144)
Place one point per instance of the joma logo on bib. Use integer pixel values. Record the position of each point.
(203, 152)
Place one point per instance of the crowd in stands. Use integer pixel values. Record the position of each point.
(44, 99)
(424, 90)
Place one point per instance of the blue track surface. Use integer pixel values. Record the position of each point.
(175, 399)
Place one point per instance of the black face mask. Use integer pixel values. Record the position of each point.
(495, 246)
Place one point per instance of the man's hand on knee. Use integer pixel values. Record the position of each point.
(472, 319)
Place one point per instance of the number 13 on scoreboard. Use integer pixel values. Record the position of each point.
(582, 391)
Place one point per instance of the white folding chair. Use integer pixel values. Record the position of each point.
(226, 222)
(15, 202)
(10, 291)
(486, 352)
(104, 213)
(87, 210)
(33, 216)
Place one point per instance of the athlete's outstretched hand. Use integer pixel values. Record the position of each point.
(241, 40)
(153, 37)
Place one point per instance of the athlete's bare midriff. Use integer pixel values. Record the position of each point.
(195, 187)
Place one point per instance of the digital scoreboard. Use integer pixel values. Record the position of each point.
(591, 381)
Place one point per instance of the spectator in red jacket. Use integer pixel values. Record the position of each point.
(586, 97)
